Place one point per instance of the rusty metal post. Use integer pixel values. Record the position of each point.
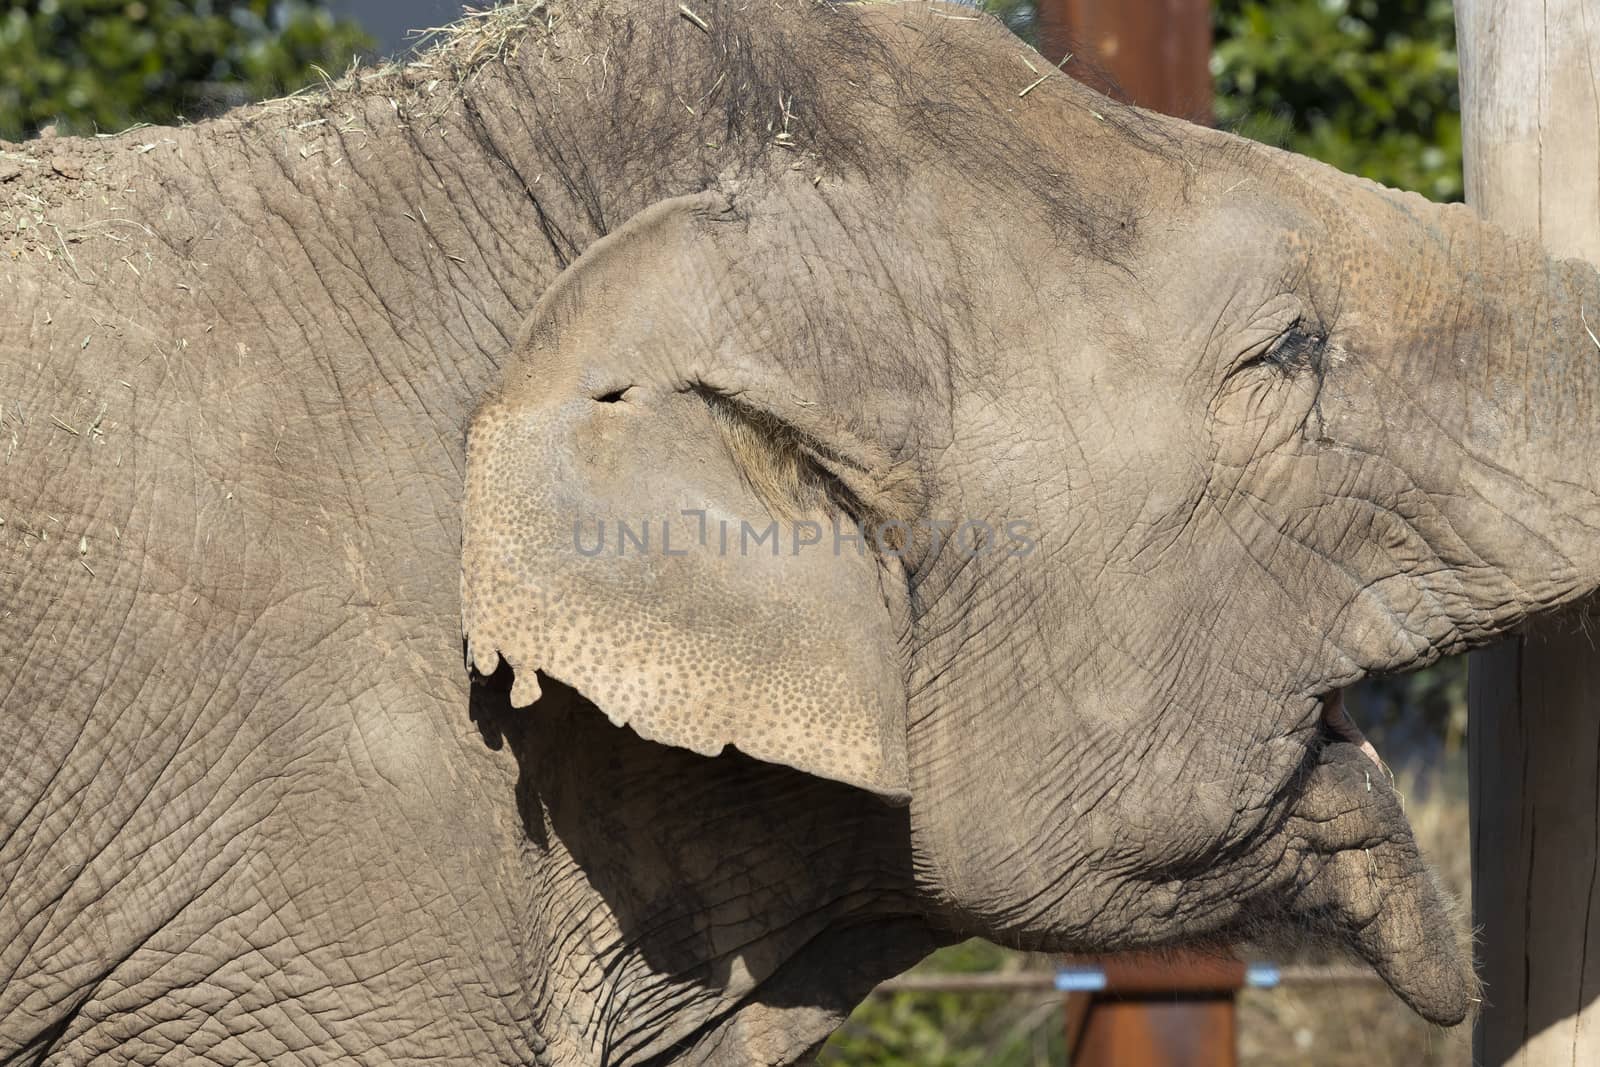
(1168, 1011)
(1191, 1031)
(1154, 53)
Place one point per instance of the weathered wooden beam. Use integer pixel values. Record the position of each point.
(1531, 133)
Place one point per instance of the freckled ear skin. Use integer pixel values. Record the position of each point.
(790, 657)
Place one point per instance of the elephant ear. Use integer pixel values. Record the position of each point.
(624, 543)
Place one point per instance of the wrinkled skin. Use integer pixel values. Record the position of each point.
(1273, 429)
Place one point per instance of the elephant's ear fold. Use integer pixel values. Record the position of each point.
(632, 561)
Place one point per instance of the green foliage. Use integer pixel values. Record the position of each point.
(953, 1029)
(1367, 85)
(98, 65)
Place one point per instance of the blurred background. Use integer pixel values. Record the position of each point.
(1366, 85)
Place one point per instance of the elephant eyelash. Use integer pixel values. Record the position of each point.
(1298, 348)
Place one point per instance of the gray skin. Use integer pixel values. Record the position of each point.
(1273, 429)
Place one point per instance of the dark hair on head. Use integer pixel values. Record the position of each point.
(738, 87)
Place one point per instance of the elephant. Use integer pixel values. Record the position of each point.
(998, 489)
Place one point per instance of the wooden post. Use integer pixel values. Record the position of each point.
(1531, 132)
(1154, 53)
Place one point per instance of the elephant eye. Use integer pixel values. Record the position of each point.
(1297, 349)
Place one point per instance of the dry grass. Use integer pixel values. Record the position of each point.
(481, 36)
(445, 57)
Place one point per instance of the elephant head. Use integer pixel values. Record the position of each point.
(1057, 511)
(914, 507)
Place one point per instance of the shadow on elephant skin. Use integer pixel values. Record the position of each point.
(732, 881)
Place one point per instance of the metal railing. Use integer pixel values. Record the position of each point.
(1168, 1010)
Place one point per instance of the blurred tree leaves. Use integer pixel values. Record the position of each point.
(1018, 15)
(954, 1029)
(1366, 85)
(102, 65)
